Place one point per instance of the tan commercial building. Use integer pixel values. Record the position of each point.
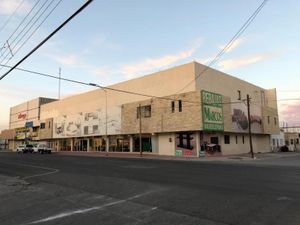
(209, 114)
(24, 122)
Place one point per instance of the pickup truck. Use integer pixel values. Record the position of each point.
(42, 148)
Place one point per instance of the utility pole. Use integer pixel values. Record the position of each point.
(140, 132)
(59, 80)
(106, 138)
(249, 122)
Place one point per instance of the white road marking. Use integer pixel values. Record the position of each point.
(82, 211)
(52, 170)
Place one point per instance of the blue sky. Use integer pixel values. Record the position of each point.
(112, 41)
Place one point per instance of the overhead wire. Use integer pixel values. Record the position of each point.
(228, 45)
(38, 15)
(11, 15)
(20, 24)
(36, 28)
(47, 38)
(130, 92)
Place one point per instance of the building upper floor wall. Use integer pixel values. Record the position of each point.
(161, 83)
(177, 80)
(235, 88)
(27, 112)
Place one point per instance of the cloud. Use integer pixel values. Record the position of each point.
(290, 113)
(7, 7)
(77, 61)
(244, 61)
(234, 45)
(146, 65)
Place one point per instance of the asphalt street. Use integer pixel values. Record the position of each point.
(59, 189)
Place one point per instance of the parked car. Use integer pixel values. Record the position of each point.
(28, 148)
(284, 148)
(42, 148)
(20, 149)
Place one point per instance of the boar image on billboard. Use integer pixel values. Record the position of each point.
(240, 118)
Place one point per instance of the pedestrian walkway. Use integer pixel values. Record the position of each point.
(155, 156)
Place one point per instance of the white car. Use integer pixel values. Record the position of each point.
(42, 148)
(20, 149)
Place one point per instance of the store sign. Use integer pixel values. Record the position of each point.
(212, 111)
(22, 116)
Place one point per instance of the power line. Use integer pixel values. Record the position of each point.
(229, 44)
(47, 38)
(125, 91)
(24, 28)
(23, 20)
(33, 32)
(12, 15)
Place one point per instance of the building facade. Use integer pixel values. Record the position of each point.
(207, 117)
(24, 122)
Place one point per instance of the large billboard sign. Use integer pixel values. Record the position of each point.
(91, 123)
(212, 111)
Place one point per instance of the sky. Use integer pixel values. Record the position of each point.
(113, 41)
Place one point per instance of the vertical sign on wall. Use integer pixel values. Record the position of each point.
(212, 111)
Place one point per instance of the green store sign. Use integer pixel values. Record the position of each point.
(212, 111)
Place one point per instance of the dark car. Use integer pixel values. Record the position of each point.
(28, 148)
(284, 148)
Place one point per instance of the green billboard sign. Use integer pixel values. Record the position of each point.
(212, 111)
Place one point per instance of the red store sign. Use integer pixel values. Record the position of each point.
(22, 116)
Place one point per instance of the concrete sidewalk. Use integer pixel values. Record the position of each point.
(161, 157)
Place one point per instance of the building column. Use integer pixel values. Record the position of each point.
(130, 143)
(88, 145)
(72, 144)
(198, 144)
(107, 144)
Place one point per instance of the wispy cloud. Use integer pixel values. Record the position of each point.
(8, 6)
(77, 61)
(244, 61)
(234, 45)
(150, 64)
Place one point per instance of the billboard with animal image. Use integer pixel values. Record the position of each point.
(240, 118)
(88, 123)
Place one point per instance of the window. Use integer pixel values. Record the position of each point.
(297, 141)
(173, 106)
(95, 128)
(184, 140)
(236, 139)
(243, 139)
(227, 139)
(180, 106)
(275, 120)
(145, 111)
(42, 125)
(292, 141)
(49, 125)
(86, 130)
(273, 139)
(268, 119)
(239, 95)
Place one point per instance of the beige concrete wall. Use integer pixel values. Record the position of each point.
(47, 132)
(261, 143)
(162, 83)
(165, 146)
(263, 102)
(27, 111)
